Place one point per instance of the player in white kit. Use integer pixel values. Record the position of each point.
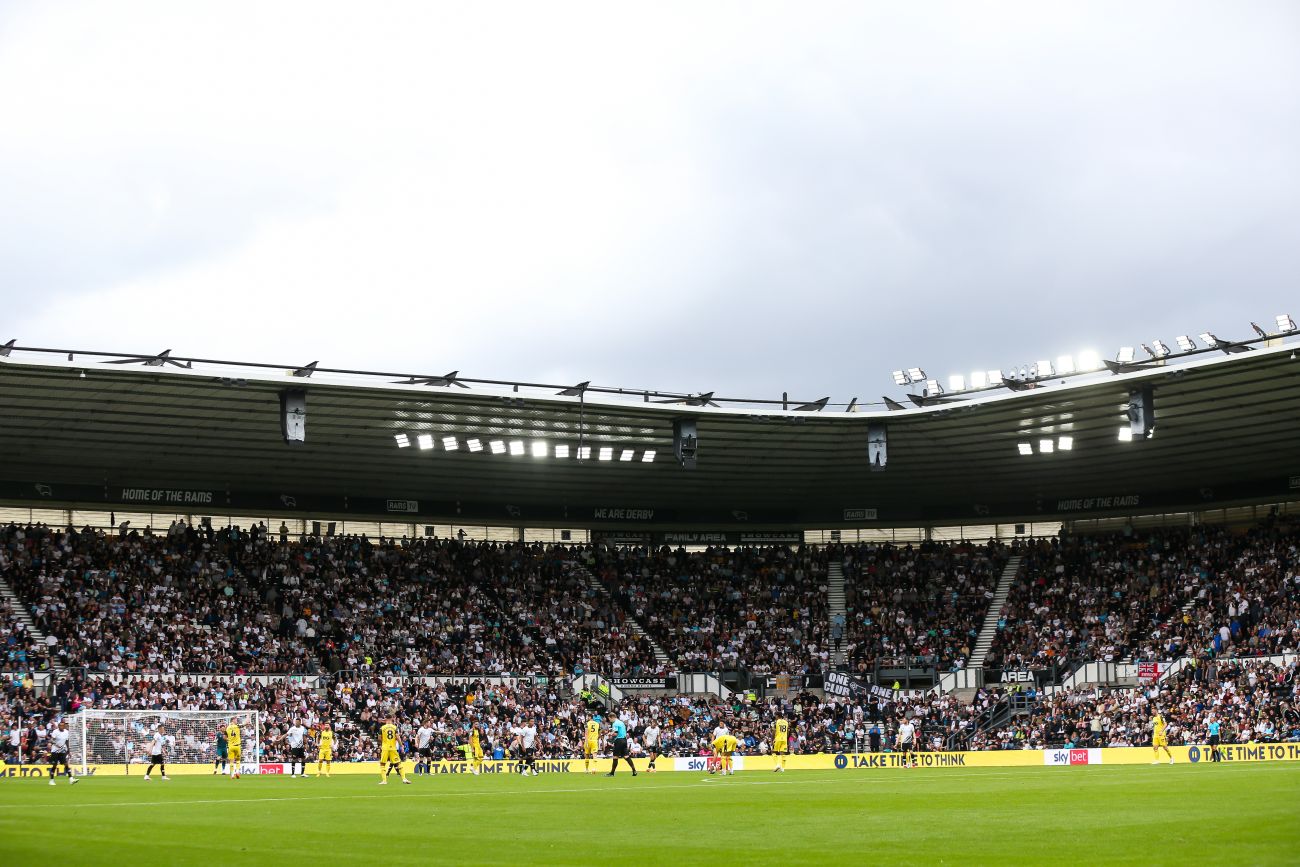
(650, 738)
(907, 742)
(527, 735)
(423, 747)
(59, 752)
(295, 737)
(157, 747)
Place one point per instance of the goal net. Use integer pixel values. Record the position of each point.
(122, 737)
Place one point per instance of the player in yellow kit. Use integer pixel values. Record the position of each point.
(591, 745)
(780, 742)
(476, 748)
(234, 747)
(389, 758)
(724, 745)
(1159, 740)
(324, 749)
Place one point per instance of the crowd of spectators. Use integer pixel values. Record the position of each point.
(920, 604)
(186, 601)
(546, 592)
(761, 609)
(507, 622)
(20, 650)
(231, 601)
(1156, 595)
(1254, 700)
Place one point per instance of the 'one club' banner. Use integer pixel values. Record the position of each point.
(840, 683)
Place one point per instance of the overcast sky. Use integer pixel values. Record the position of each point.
(743, 197)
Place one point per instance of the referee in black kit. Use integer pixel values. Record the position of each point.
(620, 747)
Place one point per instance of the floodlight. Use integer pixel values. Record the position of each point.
(606, 453)
(450, 444)
(1161, 350)
(402, 440)
(626, 455)
(540, 449)
(474, 445)
(1044, 368)
(425, 441)
(1065, 364)
(932, 387)
(1065, 444)
(916, 374)
(978, 379)
(516, 447)
(1125, 434)
(901, 377)
(1125, 355)
(498, 447)
(1285, 323)
(648, 457)
(561, 451)
(1088, 360)
(994, 376)
(956, 382)
(1185, 343)
(584, 453)
(1025, 448)
(1046, 446)
(1210, 340)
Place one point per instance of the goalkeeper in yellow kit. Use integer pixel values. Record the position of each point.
(476, 749)
(324, 749)
(234, 747)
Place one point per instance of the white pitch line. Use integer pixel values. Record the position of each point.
(595, 790)
(840, 777)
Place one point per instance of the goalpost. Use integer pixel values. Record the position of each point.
(111, 737)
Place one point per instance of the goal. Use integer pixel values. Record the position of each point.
(120, 737)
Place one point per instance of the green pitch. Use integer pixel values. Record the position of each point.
(1181, 814)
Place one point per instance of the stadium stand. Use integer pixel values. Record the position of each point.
(1157, 595)
(920, 603)
(125, 611)
(1255, 700)
(22, 650)
(763, 609)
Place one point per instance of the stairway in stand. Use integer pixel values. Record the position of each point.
(25, 617)
(990, 628)
(835, 605)
(664, 660)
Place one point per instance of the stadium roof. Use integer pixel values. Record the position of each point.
(107, 431)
